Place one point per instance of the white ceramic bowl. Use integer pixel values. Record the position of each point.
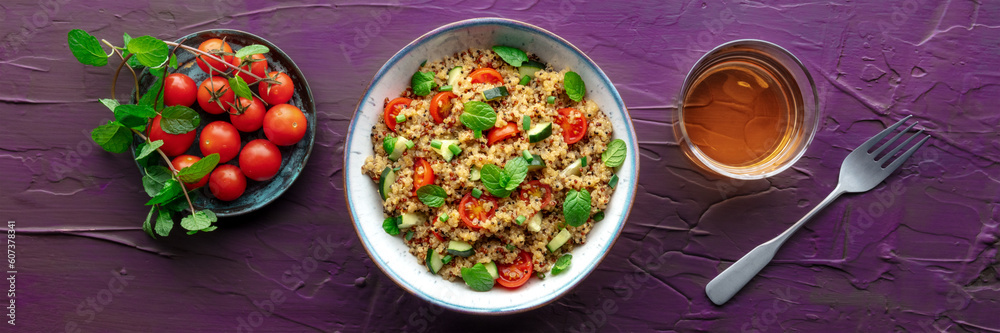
(389, 252)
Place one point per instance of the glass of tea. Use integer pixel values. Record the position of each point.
(748, 110)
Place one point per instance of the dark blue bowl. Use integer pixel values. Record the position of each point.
(293, 158)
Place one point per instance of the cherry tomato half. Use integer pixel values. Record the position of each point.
(184, 161)
(515, 274)
(486, 75)
(278, 93)
(220, 137)
(536, 190)
(574, 124)
(247, 115)
(179, 89)
(214, 46)
(423, 174)
(392, 109)
(255, 64)
(260, 160)
(501, 133)
(227, 182)
(441, 105)
(214, 95)
(473, 210)
(285, 124)
(173, 144)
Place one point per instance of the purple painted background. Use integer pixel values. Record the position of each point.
(918, 253)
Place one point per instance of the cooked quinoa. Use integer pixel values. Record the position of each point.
(500, 238)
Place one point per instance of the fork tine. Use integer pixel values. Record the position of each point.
(871, 142)
(887, 143)
(906, 155)
(900, 146)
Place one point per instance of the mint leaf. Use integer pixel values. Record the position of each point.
(146, 149)
(173, 61)
(195, 172)
(391, 225)
(389, 144)
(156, 176)
(561, 264)
(478, 278)
(614, 156)
(576, 208)
(432, 195)
(113, 137)
(110, 103)
(512, 56)
(153, 94)
(422, 83)
(574, 86)
(495, 180)
(151, 52)
(199, 220)
(517, 170)
(171, 189)
(134, 116)
(179, 119)
(478, 116)
(86, 48)
(250, 50)
(240, 87)
(164, 222)
(147, 226)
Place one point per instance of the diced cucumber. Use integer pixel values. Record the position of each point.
(558, 240)
(460, 248)
(445, 148)
(539, 132)
(495, 93)
(529, 68)
(411, 219)
(536, 163)
(398, 148)
(476, 173)
(492, 268)
(385, 182)
(572, 169)
(454, 75)
(434, 261)
(535, 222)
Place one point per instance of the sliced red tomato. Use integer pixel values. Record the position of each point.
(392, 109)
(535, 189)
(422, 174)
(515, 274)
(441, 105)
(574, 124)
(486, 75)
(501, 133)
(473, 210)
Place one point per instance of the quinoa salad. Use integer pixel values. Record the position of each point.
(492, 166)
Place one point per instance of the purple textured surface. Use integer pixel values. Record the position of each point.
(918, 253)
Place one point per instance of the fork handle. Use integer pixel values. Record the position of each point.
(731, 280)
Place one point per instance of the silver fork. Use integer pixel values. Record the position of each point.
(860, 172)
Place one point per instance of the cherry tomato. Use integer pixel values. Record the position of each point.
(220, 137)
(500, 133)
(179, 89)
(260, 160)
(486, 75)
(535, 189)
(255, 64)
(247, 115)
(285, 125)
(574, 124)
(183, 161)
(423, 174)
(227, 182)
(214, 95)
(441, 105)
(473, 210)
(214, 46)
(515, 274)
(173, 144)
(273, 94)
(392, 109)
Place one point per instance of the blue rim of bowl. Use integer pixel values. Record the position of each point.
(558, 293)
